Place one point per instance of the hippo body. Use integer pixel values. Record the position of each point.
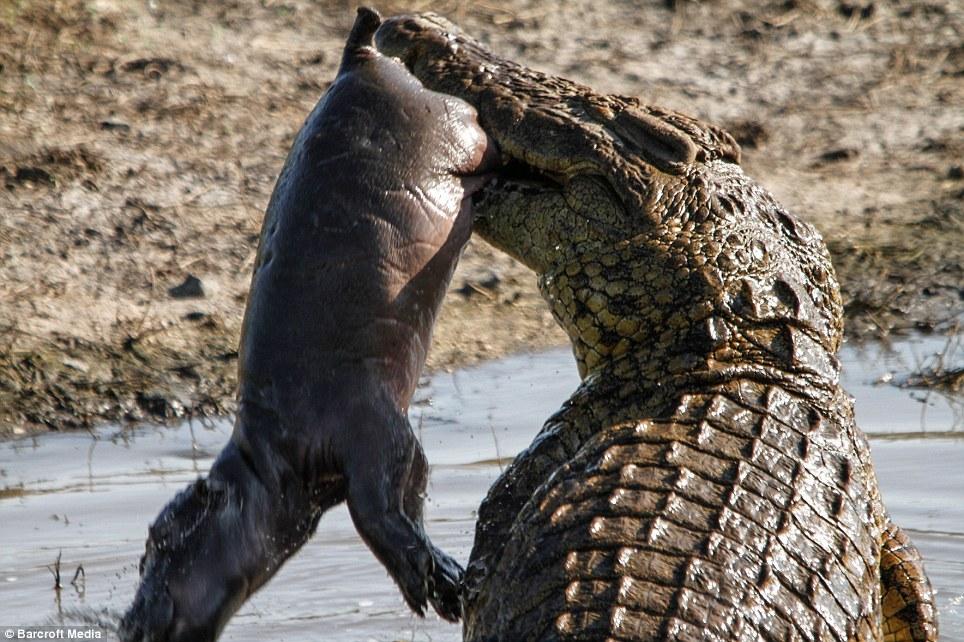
(359, 242)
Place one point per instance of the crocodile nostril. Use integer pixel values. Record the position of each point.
(726, 204)
(787, 296)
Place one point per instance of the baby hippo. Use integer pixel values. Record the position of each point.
(359, 242)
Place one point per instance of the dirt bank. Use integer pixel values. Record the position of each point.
(139, 143)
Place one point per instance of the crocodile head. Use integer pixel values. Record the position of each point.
(655, 252)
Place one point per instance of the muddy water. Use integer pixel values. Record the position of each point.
(91, 497)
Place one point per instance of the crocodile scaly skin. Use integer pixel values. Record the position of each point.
(707, 480)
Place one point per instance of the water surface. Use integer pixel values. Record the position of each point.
(90, 498)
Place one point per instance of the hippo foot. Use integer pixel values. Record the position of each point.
(413, 578)
(424, 574)
(445, 586)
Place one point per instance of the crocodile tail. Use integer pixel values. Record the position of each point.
(910, 614)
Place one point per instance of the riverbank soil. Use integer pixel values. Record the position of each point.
(140, 141)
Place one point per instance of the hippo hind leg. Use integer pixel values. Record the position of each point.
(445, 582)
(386, 489)
(221, 538)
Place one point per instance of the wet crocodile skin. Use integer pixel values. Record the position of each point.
(707, 480)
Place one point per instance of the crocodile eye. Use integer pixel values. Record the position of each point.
(654, 139)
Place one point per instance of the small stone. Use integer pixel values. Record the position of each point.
(190, 288)
(36, 175)
(114, 125)
(839, 154)
(485, 286)
(76, 364)
(492, 282)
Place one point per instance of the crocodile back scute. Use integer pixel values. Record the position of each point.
(745, 515)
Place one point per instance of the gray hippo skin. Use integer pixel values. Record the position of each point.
(359, 242)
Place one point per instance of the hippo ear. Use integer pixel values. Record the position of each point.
(360, 45)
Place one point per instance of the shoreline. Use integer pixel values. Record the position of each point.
(138, 148)
(933, 373)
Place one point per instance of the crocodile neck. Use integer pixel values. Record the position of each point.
(708, 295)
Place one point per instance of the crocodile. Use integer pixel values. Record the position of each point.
(707, 480)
